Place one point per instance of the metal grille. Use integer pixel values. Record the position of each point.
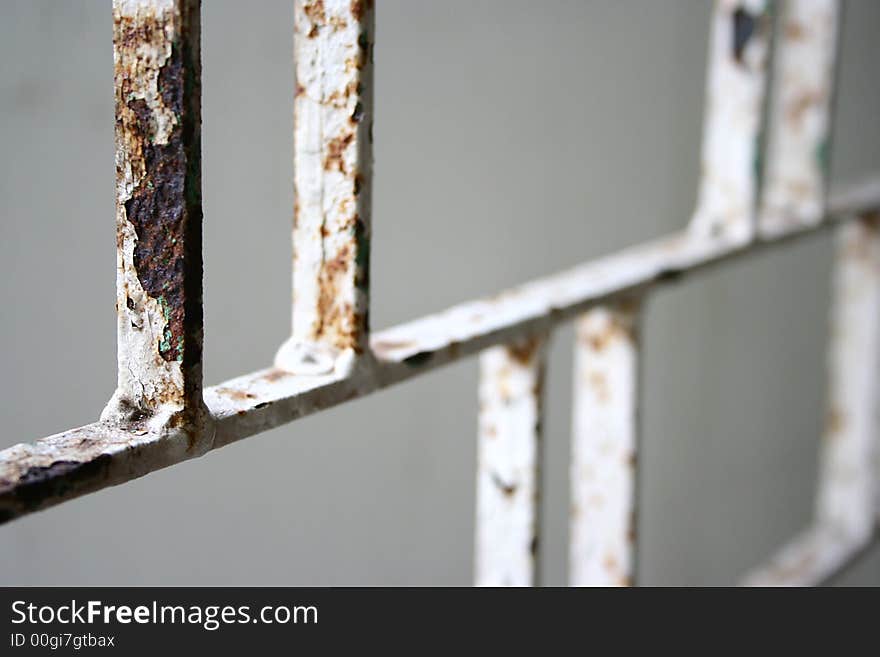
(763, 184)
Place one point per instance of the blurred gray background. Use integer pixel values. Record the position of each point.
(513, 139)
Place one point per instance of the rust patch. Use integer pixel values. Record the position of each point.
(800, 105)
(165, 208)
(835, 420)
(275, 375)
(315, 11)
(523, 351)
(357, 9)
(616, 329)
(234, 393)
(334, 158)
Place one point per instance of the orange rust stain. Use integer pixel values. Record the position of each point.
(315, 11)
(834, 422)
(275, 375)
(617, 328)
(337, 320)
(794, 31)
(333, 160)
(234, 393)
(800, 105)
(523, 351)
(337, 23)
(599, 383)
(632, 460)
(610, 563)
(357, 9)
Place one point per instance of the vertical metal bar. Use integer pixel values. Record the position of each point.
(800, 116)
(848, 485)
(158, 214)
(333, 105)
(730, 163)
(605, 447)
(509, 463)
(849, 480)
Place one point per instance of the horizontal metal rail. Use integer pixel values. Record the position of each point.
(83, 460)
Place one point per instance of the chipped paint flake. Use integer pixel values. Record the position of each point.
(509, 463)
(605, 447)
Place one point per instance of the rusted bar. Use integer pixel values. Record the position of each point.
(730, 167)
(509, 463)
(800, 115)
(849, 480)
(605, 437)
(158, 219)
(95, 456)
(333, 153)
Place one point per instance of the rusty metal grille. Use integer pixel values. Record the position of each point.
(763, 184)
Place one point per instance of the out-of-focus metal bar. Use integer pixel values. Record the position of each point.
(849, 481)
(730, 168)
(602, 542)
(158, 219)
(333, 117)
(509, 463)
(800, 115)
(66, 465)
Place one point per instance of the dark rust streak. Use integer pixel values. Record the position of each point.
(39, 485)
(165, 210)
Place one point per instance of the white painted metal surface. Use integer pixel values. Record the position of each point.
(730, 167)
(604, 453)
(800, 115)
(509, 463)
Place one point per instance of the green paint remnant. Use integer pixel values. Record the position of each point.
(823, 156)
